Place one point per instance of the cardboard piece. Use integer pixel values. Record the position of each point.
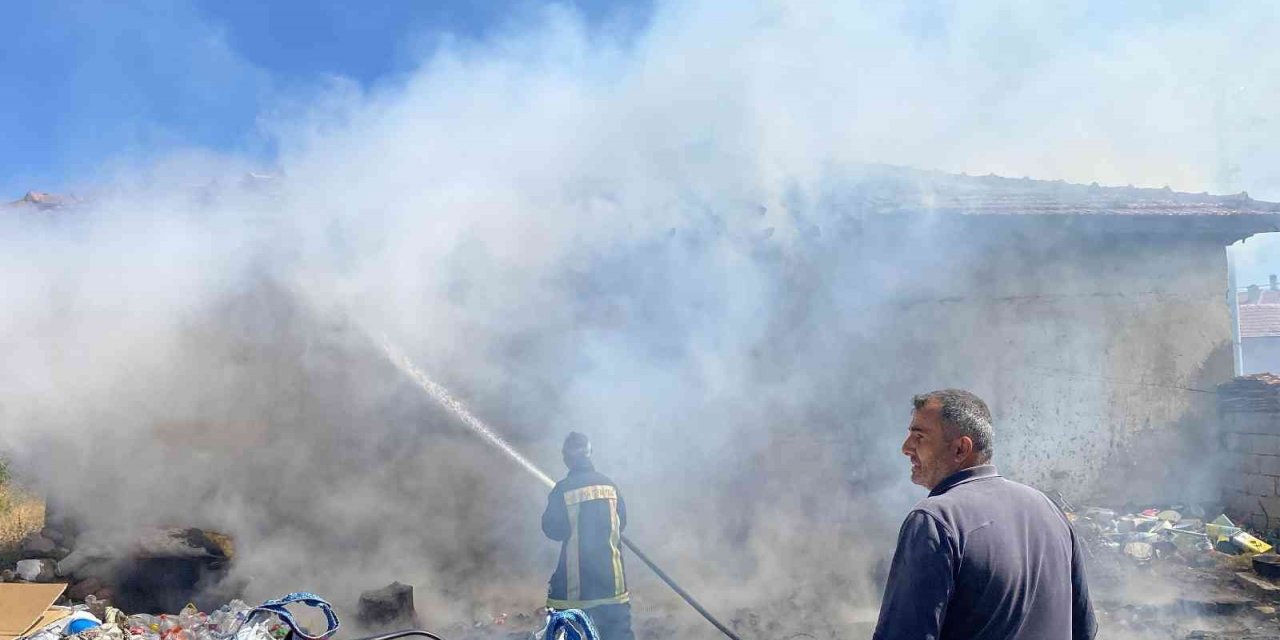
(27, 607)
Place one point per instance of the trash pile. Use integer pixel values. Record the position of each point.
(1163, 534)
(189, 624)
(153, 569)
(98, 620)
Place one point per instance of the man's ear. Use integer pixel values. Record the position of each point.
(964, 447)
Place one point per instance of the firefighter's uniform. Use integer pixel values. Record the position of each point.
(586, 514)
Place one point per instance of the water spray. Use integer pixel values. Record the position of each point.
(446, 400)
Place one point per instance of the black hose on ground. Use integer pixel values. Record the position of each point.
(403, 634)
(678, 589)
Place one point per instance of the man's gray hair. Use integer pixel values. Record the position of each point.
(963, 414)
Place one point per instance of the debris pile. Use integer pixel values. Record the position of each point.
(1164, 534)
(155, 570)
(189, 624)
(98, 620)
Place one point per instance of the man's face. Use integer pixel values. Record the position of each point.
(933, 455)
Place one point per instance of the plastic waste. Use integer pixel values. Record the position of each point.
(1140, 551)
(1249, 544)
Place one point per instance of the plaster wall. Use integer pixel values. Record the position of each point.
(1261, 355)
(1098, 354)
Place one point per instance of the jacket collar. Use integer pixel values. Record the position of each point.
(585, 467)
(965, 475)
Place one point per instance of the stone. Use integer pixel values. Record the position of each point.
(389, 606)
(1213, 604)
(37, 546)
(1258, 585)
(37, 570)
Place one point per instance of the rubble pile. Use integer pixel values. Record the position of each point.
(155, 570)
(102, 622)
(1168, 572)
(1162, 534)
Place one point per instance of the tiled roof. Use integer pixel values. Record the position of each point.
(42, 201)
(1260, 320)
(876, 189)
(890, 189)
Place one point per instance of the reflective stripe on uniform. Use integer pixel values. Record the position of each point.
(594, 492)
(615, 545)
(587, 604)
(573, 581)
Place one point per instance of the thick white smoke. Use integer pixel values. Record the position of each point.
(642, 240)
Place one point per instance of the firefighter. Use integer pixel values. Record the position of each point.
(586, 514)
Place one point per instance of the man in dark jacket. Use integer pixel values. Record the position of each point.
(585, 512)
(981, 557)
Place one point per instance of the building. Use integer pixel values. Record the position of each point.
(1093, 318)
(1259, 311)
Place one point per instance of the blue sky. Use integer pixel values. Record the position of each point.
(88, 82)
(86, 85)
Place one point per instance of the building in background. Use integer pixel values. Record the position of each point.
(1259, 310)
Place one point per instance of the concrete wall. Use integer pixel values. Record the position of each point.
(1098, 352)
(1261, 355)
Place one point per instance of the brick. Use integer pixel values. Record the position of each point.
(1241, 504)
(1263, 444)
(1262, 486)
(1236, 442)
(1256, 521)
(1269, 507)
(1247, 463)
(1266, 465)
(1265, 423)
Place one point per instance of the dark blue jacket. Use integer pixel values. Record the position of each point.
(585, 512)
(986, 558)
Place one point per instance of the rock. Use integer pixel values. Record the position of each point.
(85, 588)
(37, 546)
(1220, 604)
(6, 575)
(1258, 585)
(389, 606)
(33, 570)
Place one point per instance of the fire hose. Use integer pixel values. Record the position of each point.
(446, 400)
(678, 589)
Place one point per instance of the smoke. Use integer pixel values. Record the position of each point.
(649, 239)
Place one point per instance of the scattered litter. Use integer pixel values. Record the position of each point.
(1166, 534)
(1140, 551)
(1249, 544)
